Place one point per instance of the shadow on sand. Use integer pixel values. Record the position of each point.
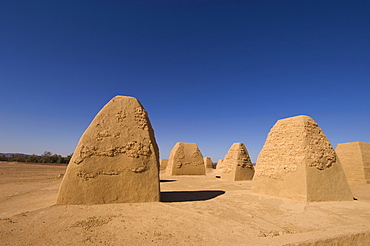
(167, 180)
(189, 196)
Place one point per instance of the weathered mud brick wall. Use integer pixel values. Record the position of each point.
(163, 164)
(219, 165)
(185, 159)
(237, 164)
(355, 159)
(116, 159)
(208, 162)
(297, 161)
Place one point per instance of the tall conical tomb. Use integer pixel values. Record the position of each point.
(355, 159)
(219, 165)
(185, 159)
(116, 159)
(237, 164)
(163, 164)
(297, 161)
(208, 162)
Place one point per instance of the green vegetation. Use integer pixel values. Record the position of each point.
(47, 157)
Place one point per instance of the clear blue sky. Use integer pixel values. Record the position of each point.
(207, 71)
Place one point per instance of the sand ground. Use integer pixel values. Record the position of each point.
(195, 210)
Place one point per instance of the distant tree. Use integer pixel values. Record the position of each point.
(67, 158)
(47, 153)
(3, 158)
(46, 157)
(55, 158)
(32, 158)
(18, 158)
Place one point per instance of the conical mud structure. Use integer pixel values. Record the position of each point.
(355, 159)
(185, 159)
(219, 164)
(116, 159)
(237, 164)
(208, 162)
(163, 164)
(298, 162)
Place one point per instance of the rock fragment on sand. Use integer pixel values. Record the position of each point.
(116, 159)
(185, 159)
(355, 159)
(297, 161)
(237, 164)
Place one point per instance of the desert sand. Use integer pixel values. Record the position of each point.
(194, 210)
